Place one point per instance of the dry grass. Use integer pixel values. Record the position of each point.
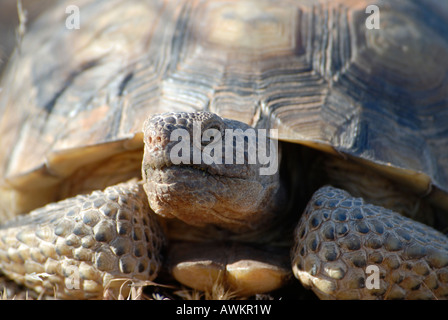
(218, 292)
(164, 288)
(9, 290)
(128, 290)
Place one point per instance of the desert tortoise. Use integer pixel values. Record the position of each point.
(354, 106)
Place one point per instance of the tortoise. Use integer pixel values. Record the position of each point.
(346, 100)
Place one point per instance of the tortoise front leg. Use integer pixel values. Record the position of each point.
(79, 247)
(347, 249)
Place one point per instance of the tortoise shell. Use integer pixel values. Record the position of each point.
(320, 72)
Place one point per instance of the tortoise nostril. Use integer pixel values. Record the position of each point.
(150, 140)
(159, 139)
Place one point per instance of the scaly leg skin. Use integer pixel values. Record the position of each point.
(84, 246)
(347, 249)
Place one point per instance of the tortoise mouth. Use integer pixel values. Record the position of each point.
(191, 194)
(162, 163)
(178, 173)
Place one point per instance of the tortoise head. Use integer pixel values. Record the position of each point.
(204, 169)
